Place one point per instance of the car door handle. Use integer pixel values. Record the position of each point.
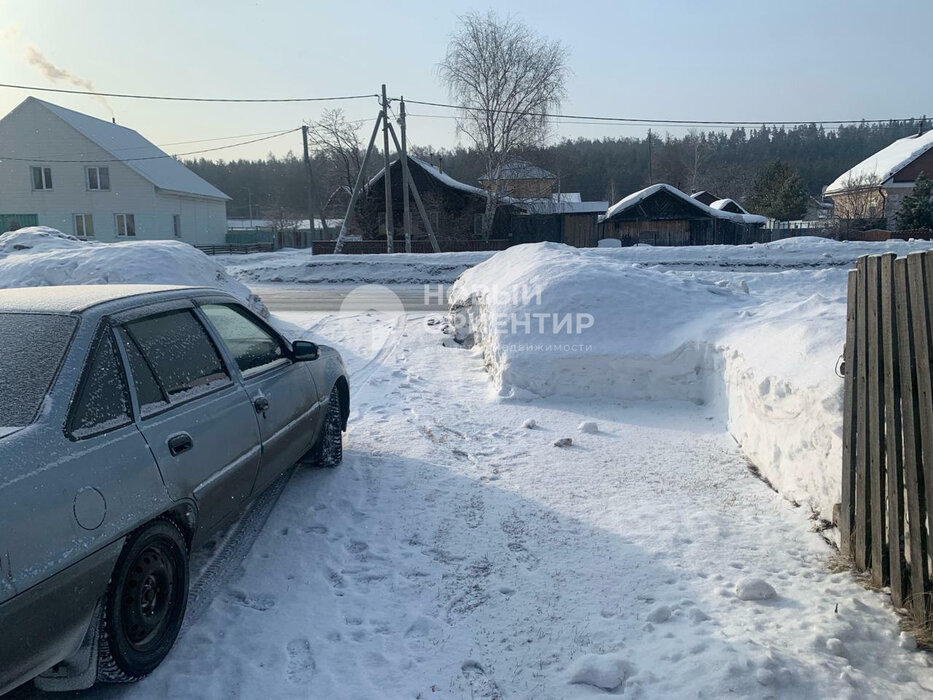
(261, 403)
(180, 443)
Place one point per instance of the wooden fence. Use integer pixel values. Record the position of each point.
(887, 451)
(234, 249)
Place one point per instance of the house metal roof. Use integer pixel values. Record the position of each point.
(136, 152)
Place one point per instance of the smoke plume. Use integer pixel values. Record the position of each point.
(60, 75)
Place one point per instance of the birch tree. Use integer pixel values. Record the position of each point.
(505, 79)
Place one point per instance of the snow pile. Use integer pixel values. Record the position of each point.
(39, 256)
(758, 342)
(300, 266)
(554, 320)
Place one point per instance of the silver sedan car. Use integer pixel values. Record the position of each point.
(134, 421)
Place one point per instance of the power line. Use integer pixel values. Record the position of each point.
(168, 98)
(175, 155)
(634, 121)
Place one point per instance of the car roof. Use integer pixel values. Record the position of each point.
(68, 299)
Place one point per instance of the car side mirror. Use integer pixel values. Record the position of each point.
(304, 350)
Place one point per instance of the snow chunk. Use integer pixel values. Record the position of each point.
(564, 442)
(754, 589)
(530, 423)
(606, 671)
(835, 646)
(662, 613)
(588, 426)
(38, 256)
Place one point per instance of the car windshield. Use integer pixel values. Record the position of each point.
(33, 346)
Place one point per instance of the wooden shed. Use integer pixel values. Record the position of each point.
(663, 215)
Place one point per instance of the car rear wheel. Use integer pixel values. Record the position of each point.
(332, 433)
(145, 603)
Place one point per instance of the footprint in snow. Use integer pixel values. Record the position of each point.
(301, 664)
(481, 685)
(260, 603)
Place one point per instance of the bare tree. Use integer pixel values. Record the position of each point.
(861, 204)
(283, 222)
(505, 79)
(337, 139)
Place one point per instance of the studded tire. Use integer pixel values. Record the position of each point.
(145, 603)
(331, 446)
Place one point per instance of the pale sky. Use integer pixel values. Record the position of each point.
(713, 60)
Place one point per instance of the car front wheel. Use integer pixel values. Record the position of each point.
(332, 433)
(145, 604)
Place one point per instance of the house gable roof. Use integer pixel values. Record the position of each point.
(877, 169)
(636, 198)
(432, 171)
(136, 152)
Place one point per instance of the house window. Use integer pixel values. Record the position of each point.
(176, 225)
(84, 226)
(98, 178)
(41, 178)
(126, 225)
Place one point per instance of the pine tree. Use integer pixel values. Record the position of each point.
(778, 193)
(917, 208)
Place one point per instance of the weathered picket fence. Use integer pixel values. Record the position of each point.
(887, 475)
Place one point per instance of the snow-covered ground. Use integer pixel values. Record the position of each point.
(755, 332)
(458, 554)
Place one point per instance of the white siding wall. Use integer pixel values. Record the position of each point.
(31, 130)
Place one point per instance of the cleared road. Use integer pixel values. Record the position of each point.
(330, 297)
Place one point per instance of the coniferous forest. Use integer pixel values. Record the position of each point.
(725, 163)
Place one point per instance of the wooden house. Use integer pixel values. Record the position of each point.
(874, 189)
(519, 179)
(663, 215)
(454, 208)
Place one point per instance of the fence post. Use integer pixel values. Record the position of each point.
(849, 422)
(894, 455)
(910, 410)
(861, 542)
(876, 480)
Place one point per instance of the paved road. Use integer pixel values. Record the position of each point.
(331, 297)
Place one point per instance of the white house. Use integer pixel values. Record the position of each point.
(100, 181)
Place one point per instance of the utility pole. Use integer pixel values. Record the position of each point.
(311, 187)
(406, 176)
(417, 196)
(390, 233)
(650, 172)
(358, 186)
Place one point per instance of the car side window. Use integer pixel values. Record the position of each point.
(102, 402)
(148, 391)
(180, 353)
(253, 347)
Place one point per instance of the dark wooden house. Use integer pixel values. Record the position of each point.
(454, 208)
(663, 215)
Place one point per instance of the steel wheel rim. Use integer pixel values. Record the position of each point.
(149, 596)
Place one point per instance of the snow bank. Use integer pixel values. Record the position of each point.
(300, 266)
(753, 331)
(38, 256)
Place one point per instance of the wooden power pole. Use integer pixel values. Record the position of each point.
(406, 177)
(650, 169)
(312, 189)
(390, 233)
